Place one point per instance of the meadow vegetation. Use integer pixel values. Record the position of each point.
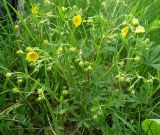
(87, 67)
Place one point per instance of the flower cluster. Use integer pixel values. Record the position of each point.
(138, 29)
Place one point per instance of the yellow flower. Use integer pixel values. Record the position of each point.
(35, 10)
(77, 20)
(32, 56)
(140, 29)
(135, 21)
(124, 32)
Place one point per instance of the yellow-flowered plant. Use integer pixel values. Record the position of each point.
(32, 56)
(124, 32)
(77, 20)
(35, 10)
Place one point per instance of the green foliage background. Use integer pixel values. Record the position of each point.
(88, 80)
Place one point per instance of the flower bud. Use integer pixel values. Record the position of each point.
(16, 26)
(90, 20)
(40, 98)
(20, 52)
(20, 81)
(45, 42)
(63, 9)
(81, 63)
(15, 90)
(49, 68)
(74, 6)
(59, 50)
(8, 75)
(72, 49)
(121, 79)
(137, 58)
(86, 63)
(29, 49)
(89, 68)
(65, 92)
(40, 91)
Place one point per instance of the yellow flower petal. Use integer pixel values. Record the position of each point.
(124, 32)
(77, 20)
(32, 56)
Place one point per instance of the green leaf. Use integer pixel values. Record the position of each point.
(151, 126)
(156, 66)
(125, 122)
(153, 58)
(154, 25)
(36, 84)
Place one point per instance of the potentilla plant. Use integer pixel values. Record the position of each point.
(80, 67)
